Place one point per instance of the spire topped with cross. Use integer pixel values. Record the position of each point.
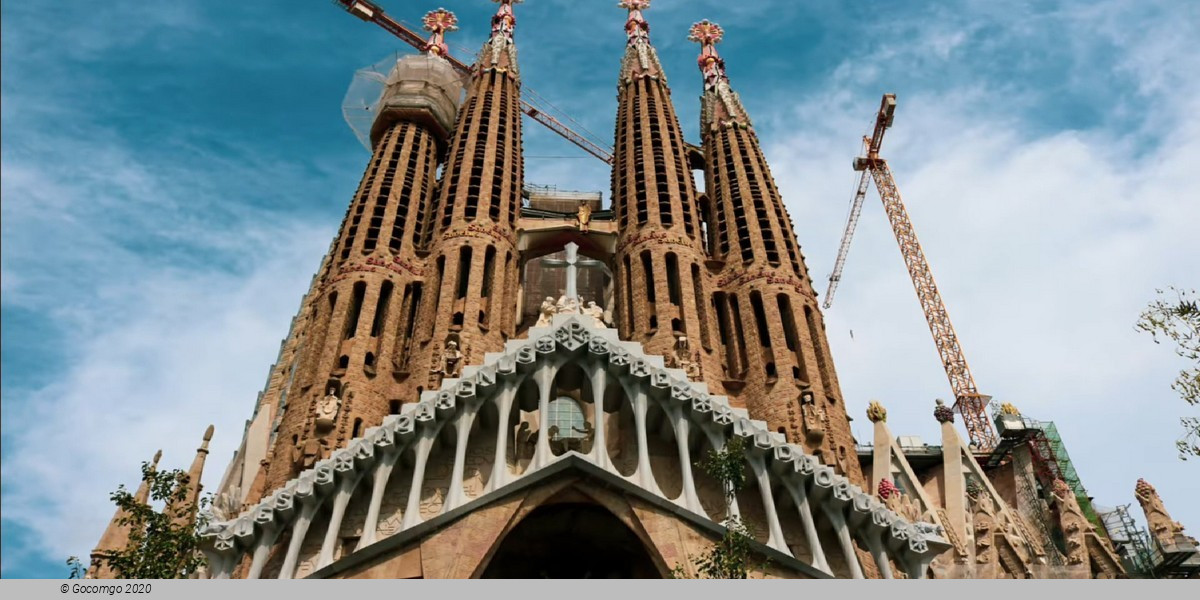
(640, 58)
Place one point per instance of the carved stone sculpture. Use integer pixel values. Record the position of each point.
(452, 359)
(584, 216)
(327, 409)
(1072, 522)
(546, 312)
(876, 412)
(1161, 525)
(814, 418)
(595, 312)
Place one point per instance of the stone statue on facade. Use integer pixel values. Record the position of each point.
(452, 359)
(813, 417)
(584, 216)
(546, 312)
(327, 409)
(595, 312)
(567, 304)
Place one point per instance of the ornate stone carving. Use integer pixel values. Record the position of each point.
(876, 412)
(814, 418)
(328, 409)
(943, 413)
(583, 217)
(1164, 528)
(1072, 522)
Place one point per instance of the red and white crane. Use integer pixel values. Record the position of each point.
(968, 401)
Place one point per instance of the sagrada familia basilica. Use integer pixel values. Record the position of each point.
(483, 368)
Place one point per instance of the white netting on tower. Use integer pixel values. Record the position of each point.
(361, 103)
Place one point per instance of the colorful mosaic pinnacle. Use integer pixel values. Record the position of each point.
(439, 22)
(504, 21)
(706, 32)
(708, 35)
(636, 27)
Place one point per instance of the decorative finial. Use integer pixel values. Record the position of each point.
(636, 27)
(943, 413)
(887, 488)
(504, 21)
(157, 457)
(1143, 488)
(876, 412)
(708, 35)
(1009, 409)
(438, 22)
(974, 489)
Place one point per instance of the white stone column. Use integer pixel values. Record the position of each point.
(345, 488)
(691, 500)
(775, 532)
(838, 520)
(379, 481)
(504, 402)
(299, 531)
(455, 497)
(599, 378)
(644, 476)
(800, 497)
(545, 382)
(412, 510)
(262, 548)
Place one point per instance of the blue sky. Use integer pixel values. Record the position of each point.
(173, 172)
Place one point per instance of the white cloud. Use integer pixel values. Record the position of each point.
(1046, 246)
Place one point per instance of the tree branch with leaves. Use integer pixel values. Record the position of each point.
(163, 543)
(1177, 320)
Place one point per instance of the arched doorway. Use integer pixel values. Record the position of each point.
(571, 541)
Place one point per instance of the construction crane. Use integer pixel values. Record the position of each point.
(373, 13)
(968, 401)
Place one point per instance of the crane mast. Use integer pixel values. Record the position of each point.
(968, 401)
(373, 13)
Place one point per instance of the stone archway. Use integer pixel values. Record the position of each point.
(571, 541)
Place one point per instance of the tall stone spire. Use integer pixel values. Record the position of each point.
(116, 535)
(184, 511)
(471, 234)
(772, 333)
(660, 257)
(354, 364)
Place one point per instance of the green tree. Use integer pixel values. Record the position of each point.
(730, 557)
(1177, 320)
(163, 542)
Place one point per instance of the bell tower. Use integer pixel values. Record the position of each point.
(471, 233)
(772, 332)
(353, 365)
(660, 259)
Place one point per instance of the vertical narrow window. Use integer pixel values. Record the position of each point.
(739, 331)
(815, 336)
(723, 330)
(760, 320)
(355, 309)
(628, 317)
(394, 407)
(413, 303)
(381, 306)
(701, 306)
(464, 271)
(357, 428)
(431, 318)
(673, 291)
(790, 335)
(648, 273)
(489, 260)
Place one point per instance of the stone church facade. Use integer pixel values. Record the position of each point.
(421, 422)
